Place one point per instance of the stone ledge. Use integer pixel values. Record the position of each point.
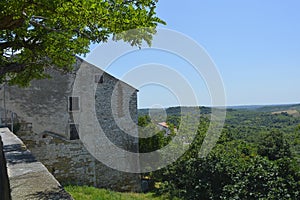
(29, 179)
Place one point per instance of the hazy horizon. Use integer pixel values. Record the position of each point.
(245, 105)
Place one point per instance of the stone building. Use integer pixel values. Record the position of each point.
(59, 119)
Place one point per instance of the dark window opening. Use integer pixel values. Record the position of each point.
(74, 132)
(98, 79)
(73, 103)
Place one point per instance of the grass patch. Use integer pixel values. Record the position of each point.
(91, 193)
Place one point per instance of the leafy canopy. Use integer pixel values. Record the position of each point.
(40, 34)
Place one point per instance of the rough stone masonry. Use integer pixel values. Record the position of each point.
(46, 117)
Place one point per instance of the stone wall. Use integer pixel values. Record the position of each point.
(71, 163)
(29, 179)
(105, 117)
(42, 104)
(4, 181)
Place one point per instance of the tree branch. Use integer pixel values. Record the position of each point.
(8, 23)
(4, 45)
(39, 17)
(11, 67)
(35, 23)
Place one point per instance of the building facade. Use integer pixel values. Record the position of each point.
(67, 120)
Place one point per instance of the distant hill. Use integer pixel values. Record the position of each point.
(176, 110)
(294, 113)
(290, 109)
(245, 107)
(278, 108)
(267, 108)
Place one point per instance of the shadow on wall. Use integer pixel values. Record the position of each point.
(4, 181)
(17, 157)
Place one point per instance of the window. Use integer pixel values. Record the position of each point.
(73, 103)
(74, 132)
(98, 79)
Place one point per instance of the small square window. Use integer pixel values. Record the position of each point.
(98, 79)
(74, 132)
(73, 103)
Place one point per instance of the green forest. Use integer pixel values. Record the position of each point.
(257, 155)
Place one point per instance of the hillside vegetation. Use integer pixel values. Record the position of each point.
(256, 157)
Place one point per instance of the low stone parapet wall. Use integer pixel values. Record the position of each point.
(28, 178)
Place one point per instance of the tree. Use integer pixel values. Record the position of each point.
(274, 146)
(40, 34)
(156, 141)
(144, 120)
(233, 169)
(228, 173)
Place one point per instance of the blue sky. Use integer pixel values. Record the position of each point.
(255, 46)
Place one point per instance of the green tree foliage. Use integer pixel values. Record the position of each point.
(144, 120)
(158, 137)
(232, 171)
(238, 167)
(152, 143)
(274, 146)
(295, 142)
(39, 34)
